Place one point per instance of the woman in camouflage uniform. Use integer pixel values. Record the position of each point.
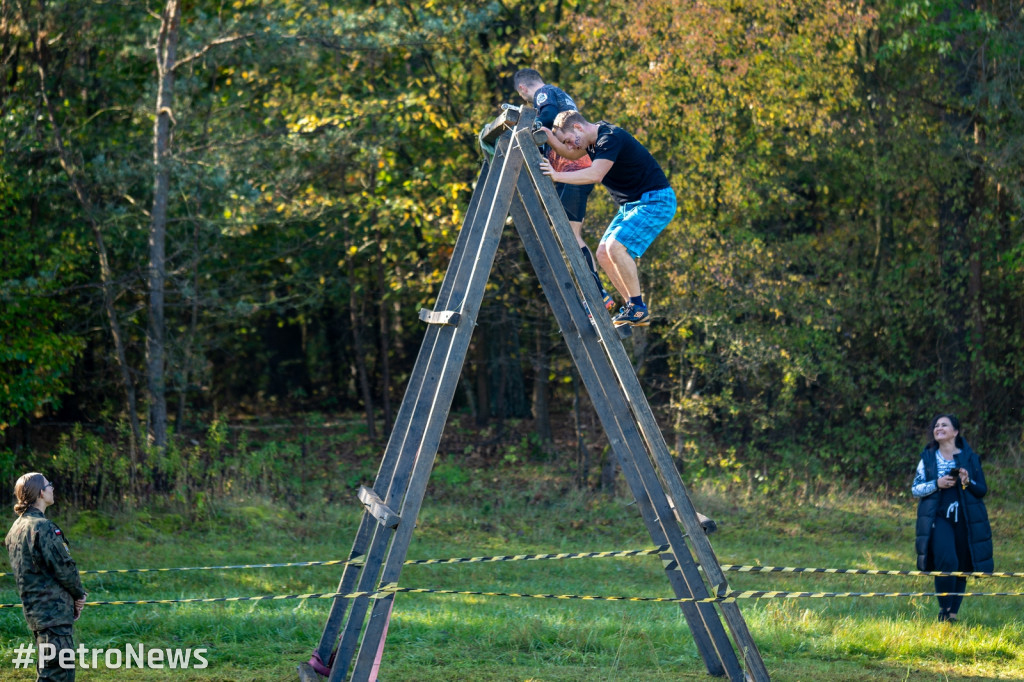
(51, 592)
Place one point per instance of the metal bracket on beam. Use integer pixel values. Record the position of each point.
(377, 509)
(448, 317)
(707, 523)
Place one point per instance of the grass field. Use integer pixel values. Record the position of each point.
(442, 637)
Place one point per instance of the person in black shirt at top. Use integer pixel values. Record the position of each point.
(549, 102)
(637, 184)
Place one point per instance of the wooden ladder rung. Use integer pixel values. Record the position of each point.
(377, 509)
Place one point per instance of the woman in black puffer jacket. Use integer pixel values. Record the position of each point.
(953, 533)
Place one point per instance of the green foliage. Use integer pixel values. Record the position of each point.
(88, 470)
(848, 258)
(530, 448)
(934, 26)
(94, 471)
(838, 270)
(92, 524)
(36, 355)
(449, 475)
(8, 468)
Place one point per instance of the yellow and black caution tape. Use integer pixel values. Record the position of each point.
(410, 562)
(540, 557)
(291, 564)
(725, 597)
(559, 556)
(208, 600)
(173, 569)
(865, 571)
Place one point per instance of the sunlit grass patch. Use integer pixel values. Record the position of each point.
(477, 637)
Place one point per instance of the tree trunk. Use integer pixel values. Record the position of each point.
(609, 471)
(975, 297)
(883, 199)
(500, 356)
(541, 393)
(467, 389)
(956, 211)
(188, 361)
(166, 53)
(334, 334)
(582, 451)
(483, 395)
(356, 317)
(384, 349)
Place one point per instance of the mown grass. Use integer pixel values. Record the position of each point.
(464, 637)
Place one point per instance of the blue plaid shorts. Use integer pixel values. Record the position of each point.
(637, 223)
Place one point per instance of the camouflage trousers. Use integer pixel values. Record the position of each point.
(60, 637)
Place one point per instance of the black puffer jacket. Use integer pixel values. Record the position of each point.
(979, 533)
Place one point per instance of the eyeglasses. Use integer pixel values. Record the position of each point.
(48, 485)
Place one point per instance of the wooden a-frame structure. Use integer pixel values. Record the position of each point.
(512, 184)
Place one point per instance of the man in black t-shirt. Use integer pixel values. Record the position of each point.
(635, 181)
(549, 102)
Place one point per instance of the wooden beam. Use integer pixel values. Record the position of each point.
(369, 544)
(629, 384)
(585, 339)
(307, 674)
(438, 386)
(506, 120)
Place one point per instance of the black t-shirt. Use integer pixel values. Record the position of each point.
(634, 170)
(549, 102)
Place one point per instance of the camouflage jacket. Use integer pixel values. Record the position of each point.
(46, 574)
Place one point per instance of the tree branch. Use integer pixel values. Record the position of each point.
(216, 43)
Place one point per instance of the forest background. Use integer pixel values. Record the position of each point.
(218, 217)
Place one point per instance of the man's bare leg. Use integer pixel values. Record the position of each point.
(577, 230)
(620, 268)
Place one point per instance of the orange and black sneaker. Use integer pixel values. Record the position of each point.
(632, 315)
